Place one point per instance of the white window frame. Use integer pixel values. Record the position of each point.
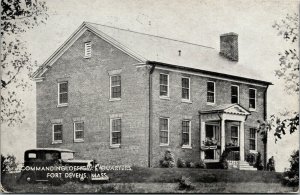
(189, 146)
(253, 151)
(164, 144)
(186, 100)
(252, 109)
(211, 103)
(56, 141)
(110, 87)
(87, 45)
(168, 87)
(110, 133)
(238, 133)
(238, 93)
(58, 94)
(74, 129)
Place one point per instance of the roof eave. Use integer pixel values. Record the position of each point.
(208, 72)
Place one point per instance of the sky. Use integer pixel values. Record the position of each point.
(196, 21)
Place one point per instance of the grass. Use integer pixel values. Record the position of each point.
(163, 180)
(171, 175)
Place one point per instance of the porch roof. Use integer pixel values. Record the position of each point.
(225, 108)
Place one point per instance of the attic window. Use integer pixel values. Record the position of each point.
(87, 50)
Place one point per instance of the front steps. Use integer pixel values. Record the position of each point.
(243, 165)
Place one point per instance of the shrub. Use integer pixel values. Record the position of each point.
(188, 164)
(201, 164)
(259, 164)
(192, 165)
(168, 161)
(185, 183)
(8, 163)
(181, 163)
(223, 160)
(251, 158)
(291, 177)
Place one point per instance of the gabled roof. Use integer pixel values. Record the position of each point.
(145, 47)
(226, 108)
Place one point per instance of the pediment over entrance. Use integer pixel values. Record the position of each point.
(237, 109)
(226, 108)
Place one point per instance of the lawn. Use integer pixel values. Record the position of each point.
(163, 180)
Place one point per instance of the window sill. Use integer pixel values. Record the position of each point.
(186, 101)
(61, 105)
(115, 146)
(164, 97)
(163, 145)
(57, 142)
(252, 109)
(253, 151)
(114, 99)
(211, 160)
(186, 147)
(210, 103)
(78, 141)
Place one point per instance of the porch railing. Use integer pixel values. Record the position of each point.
(233, 156)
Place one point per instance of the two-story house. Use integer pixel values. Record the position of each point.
(124, 97)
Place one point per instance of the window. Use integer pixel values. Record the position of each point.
(115, 125)
(235, 135)
(211, 92)
(185, 83)
(67, 155)
(234, 94)
(115, 83)
(164, 85)
(63, 93)
(186, 133)
(78, 131)
(87, 50)
(164, 131)
(57, 133)
(31, 155)
(252, 138)
(252, 99)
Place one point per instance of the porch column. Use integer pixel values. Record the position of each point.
(242, 141)
(202, 138)
(222, 135)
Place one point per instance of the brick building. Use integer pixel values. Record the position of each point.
(124, 97)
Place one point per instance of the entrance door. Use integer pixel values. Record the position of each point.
(212, 132)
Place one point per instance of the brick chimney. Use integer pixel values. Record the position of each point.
(229, 46)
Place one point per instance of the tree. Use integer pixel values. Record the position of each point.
(289, 72)
(8, 163)
(17, 16)
(291, 176)
(289, 59)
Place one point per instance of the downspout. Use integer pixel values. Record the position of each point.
(265, 119)
(150, 115)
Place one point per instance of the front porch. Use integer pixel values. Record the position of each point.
(222, 128)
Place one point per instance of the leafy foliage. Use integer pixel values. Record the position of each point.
(291, 177)
(279, 125)
(168, 161)
(289, 58)
(259, 164)
(17, 16)
(223, 159)
(181, 163)
(185, 184)
(8, 163)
